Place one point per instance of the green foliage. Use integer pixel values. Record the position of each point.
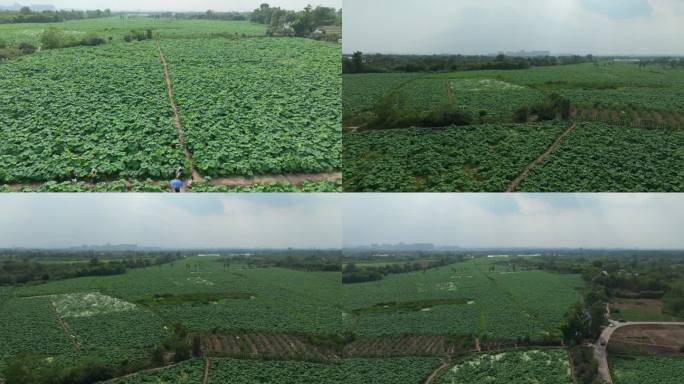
(533, 366)
(471, 158)
(281, 114)
(646, 370)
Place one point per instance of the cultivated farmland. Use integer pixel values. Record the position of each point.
(239, 111)
(622, 132)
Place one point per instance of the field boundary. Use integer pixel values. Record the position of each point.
(207, 368)
(65, 328)
(436, 371)
(516, 182)
(176, 116)
(296, 179)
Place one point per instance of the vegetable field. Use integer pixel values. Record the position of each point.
(629, 137)
(532, 366)
(470, 298)
(642, 369)
(120, 318)
(246, 106)
(259, 106)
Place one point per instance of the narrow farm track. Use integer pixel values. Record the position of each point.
(437, 371)
(294, 179)
(65, 328)
(176, 116)
(207, 368)
(514, 185)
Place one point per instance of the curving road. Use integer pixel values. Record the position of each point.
(601, 345)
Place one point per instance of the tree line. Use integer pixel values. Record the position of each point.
(26, 15)
(34, 267)
(296, 23)
(360, 63)
(353, 273)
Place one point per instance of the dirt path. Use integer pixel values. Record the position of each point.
(176, 116)
(294, 179)
(601, 345)
(207, 367)
(437, 371)
(514, 185)
(450, 92)
(65, 328)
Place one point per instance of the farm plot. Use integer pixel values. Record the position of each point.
(352, 371)
(646, 369)
(258, 106)
(461, 299)
(361, 92)
(64, 112)
(474, 158)
(597, 157)
(521, 367)
(116, 27)
(202, 295)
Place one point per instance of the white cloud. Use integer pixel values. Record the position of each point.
(490, 26)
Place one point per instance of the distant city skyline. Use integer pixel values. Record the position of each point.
(594, 221)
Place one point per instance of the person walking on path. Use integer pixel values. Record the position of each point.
(179, 173)
(93, 176)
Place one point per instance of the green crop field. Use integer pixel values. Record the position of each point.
(116, 27)
(642, 370)
(121, 317)
(629, 139)
(465, 298)
(533, 366)
(249, 105)
(260, 106)
(351, 371)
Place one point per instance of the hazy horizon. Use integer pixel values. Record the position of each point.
(593, 221)
(175, 5)
(480, 27)
(261, 220)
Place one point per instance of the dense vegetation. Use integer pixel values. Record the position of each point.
(26, 15)
(532, 366)
(18, 267)
(67, 110)
(297, 23)
(643, 370)
(629, 120)
(360, 63)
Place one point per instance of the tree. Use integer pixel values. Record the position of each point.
(357, 62)
(25, 11)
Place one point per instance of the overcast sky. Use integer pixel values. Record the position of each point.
(176, 5)
(516, 220)
(233, 220)
(491, 26)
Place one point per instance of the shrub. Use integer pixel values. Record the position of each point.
(53, 38)
(27, 48)
(3, 44)
(92, 40)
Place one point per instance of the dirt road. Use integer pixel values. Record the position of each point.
(436, 372)
(600, 351)
(514, 185)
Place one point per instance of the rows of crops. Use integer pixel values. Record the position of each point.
(643, 370)
(116, 27)
(353, 371)
(64, 112)
(474, 158)
(597, 157)
(251, 106)
(258, 106)
(495, 304)
(533, 366)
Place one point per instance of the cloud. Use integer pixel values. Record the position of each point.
(489, 26)
(542, 220)
(619, 9)
(173, 220)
